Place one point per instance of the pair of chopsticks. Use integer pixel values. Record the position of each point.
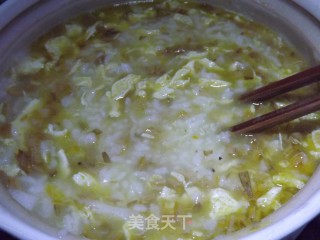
(285, 114)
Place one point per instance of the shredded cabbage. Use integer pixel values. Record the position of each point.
(121, 87)
(223, 203)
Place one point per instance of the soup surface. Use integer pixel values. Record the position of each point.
(115, 124)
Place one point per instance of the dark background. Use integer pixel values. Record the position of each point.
(311, 232)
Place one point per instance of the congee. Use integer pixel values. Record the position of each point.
(114, 124)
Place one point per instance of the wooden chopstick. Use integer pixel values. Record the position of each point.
(279, 116)
(287, 113)
(287, 84)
